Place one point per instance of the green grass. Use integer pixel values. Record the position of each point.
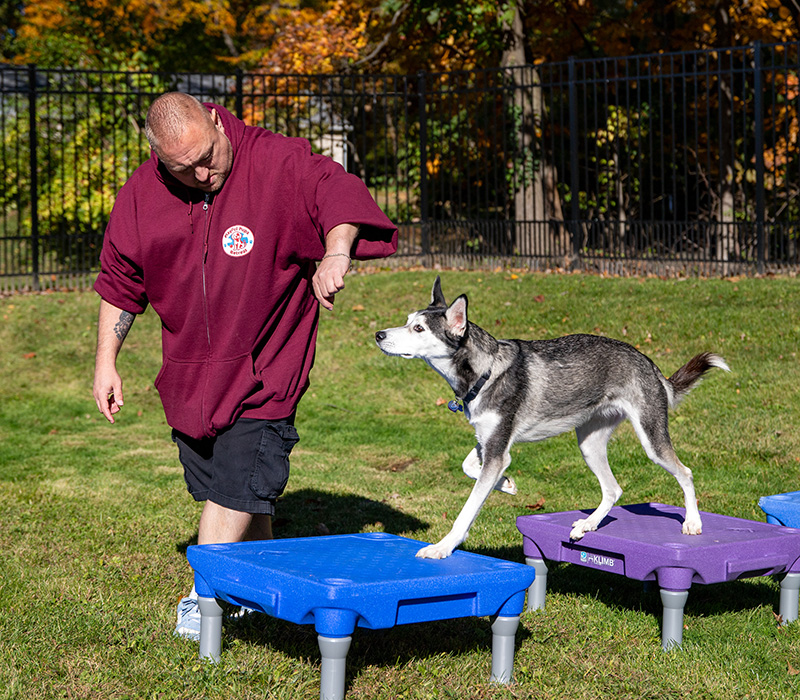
(95, 519)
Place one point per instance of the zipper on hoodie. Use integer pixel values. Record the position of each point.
(206, 227)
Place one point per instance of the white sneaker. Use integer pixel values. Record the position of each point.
(188, 625)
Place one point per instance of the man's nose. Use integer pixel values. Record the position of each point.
(201, 174)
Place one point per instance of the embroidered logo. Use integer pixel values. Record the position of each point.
(237, 241)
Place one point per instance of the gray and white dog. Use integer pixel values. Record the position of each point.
(525, 391)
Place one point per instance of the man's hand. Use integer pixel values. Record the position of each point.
(329, 277)
(108, 391)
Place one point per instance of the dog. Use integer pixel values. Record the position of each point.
(526, 391)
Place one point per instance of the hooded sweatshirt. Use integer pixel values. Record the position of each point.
(229, 274)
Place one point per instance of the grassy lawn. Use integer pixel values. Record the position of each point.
(95, 518)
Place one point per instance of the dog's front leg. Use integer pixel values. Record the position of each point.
(472, 468)
(490, 475)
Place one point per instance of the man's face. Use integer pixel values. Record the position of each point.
(202, 157)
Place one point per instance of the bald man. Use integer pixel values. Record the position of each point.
(235, 236)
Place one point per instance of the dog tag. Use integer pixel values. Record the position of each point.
(455, 406)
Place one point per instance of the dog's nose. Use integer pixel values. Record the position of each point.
(379, 336)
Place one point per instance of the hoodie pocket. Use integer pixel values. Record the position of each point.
(180, 386)
(201, 398)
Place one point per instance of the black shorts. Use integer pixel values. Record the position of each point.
(244, 468)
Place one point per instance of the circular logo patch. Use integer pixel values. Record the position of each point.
(237, 241)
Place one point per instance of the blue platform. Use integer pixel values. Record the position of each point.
(371, 580)
(782, 508)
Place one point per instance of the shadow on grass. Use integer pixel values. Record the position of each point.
(383, 647)
(618, 592)
(310, 512)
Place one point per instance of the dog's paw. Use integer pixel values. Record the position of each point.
(507, 485)
(580, 528)
(435, 551)
(692, 527)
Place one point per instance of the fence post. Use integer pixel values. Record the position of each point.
(759, 148)
(423, 165)
(573, 163)
(240, 93)
(33, 147)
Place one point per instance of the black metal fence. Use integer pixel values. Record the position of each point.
(676, 163)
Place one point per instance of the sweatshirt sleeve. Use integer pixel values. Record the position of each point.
(121, 278)
(334, 196)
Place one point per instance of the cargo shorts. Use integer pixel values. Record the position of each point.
(244, 468)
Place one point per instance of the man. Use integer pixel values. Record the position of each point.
(235, 236)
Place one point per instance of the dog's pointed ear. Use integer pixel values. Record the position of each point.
(437, 296)
(456, 316)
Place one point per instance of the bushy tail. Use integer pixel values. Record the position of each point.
(692, 372)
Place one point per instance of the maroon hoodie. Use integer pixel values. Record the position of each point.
(231, 282)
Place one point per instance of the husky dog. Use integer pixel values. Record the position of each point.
(525, 391)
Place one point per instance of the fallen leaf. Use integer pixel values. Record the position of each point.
(322, 529)
(29, 355)
(536, 506)
(359, 307)
(539, 298)
(792, 670)
(440, 401)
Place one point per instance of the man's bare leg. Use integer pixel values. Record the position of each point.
(219, 525)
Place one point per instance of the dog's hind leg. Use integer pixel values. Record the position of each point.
(593, 440)
(472, 468)
(652, 430)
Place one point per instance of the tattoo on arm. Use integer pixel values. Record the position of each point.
(124, 324)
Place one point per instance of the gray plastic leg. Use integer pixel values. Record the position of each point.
(672, 627)
(790, 598)
(538, 589)
(334, 655)
(210, 628)
(504, 630)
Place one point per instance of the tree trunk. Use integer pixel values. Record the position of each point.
(529, 217)
(726, 238)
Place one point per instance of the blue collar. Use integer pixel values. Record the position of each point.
(455, 404)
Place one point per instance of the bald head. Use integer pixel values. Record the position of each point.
(189, 141)
(170, 116)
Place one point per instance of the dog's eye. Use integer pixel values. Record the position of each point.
(418, 329)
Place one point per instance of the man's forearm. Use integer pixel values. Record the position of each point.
(340, 239)
(113, 325)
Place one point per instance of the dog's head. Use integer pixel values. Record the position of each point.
(432, 333)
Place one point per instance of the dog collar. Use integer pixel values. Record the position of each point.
(455, 405)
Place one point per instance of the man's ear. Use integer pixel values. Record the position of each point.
(456, 316)
(437, 296)
(217, 121)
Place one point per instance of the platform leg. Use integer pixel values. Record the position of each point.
(538, 589)
(790, 592)
(504, 630)
(672, 627)
(334, 655)
(210, 628)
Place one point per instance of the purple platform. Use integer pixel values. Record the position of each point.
(782, 508)
(644, 542)
(371, 580)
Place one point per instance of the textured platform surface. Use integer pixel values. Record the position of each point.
(782, 508)
(372, 580)
(644, 542)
